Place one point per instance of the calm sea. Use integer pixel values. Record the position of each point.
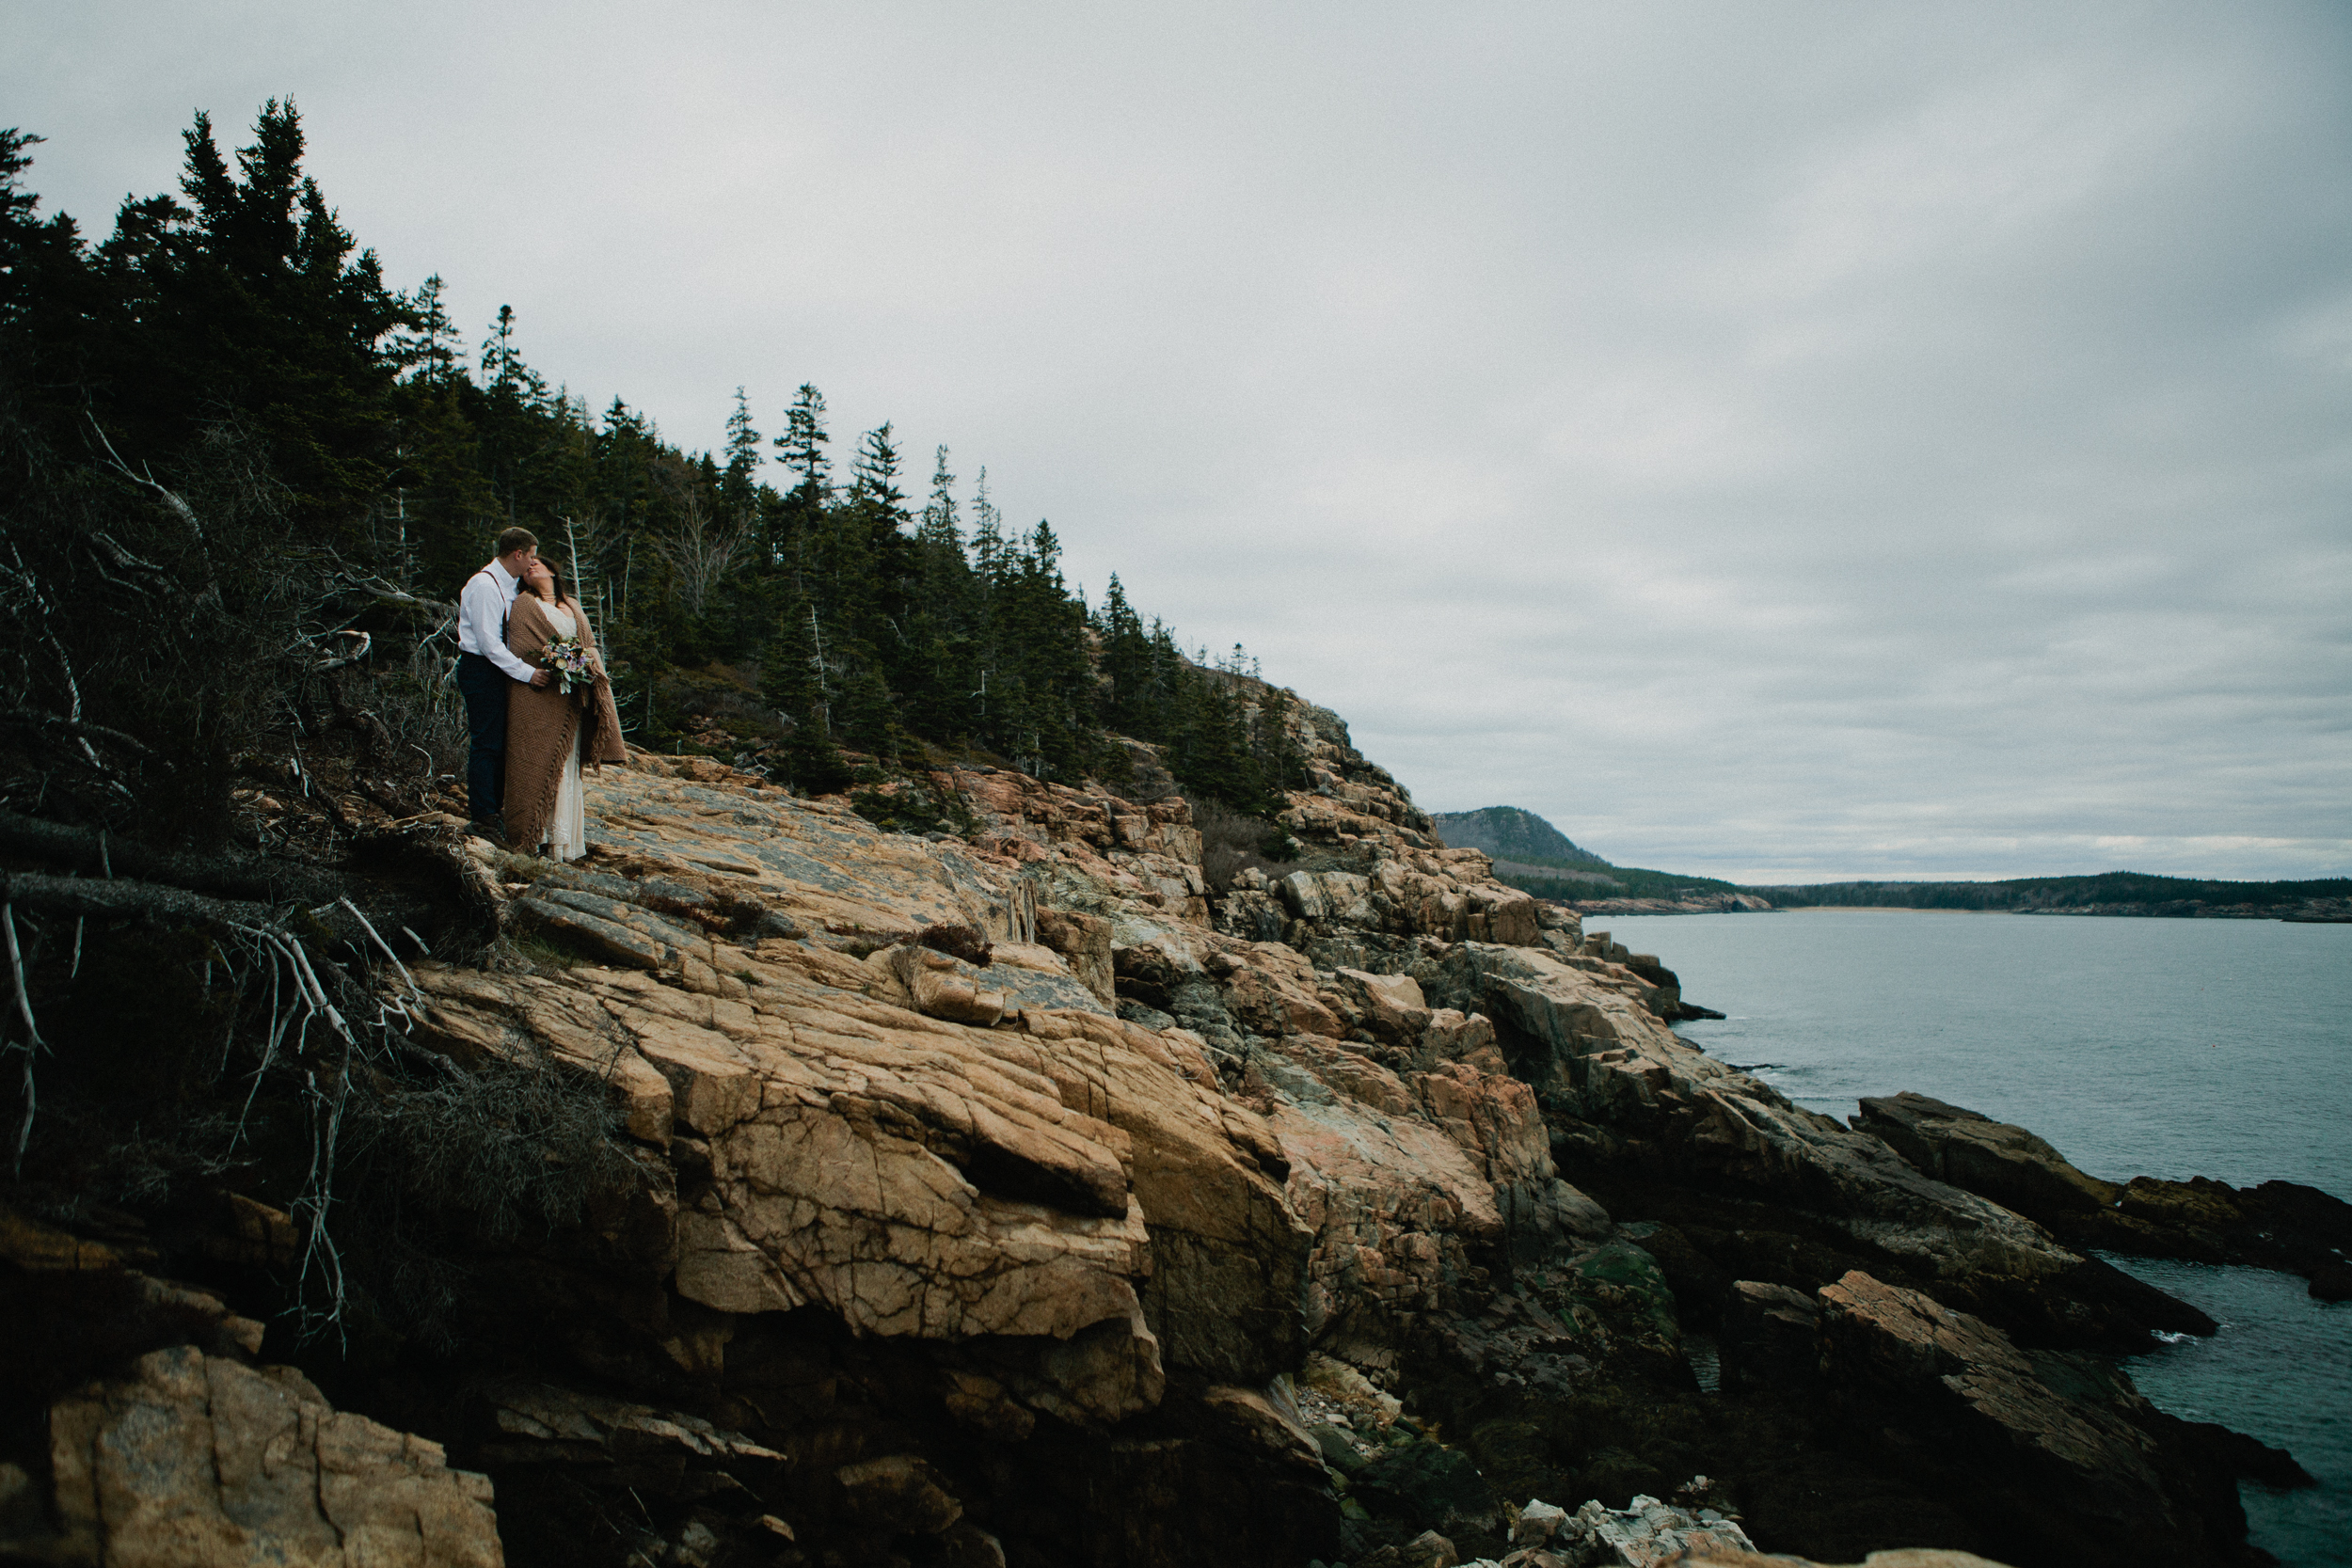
(2169, 1048)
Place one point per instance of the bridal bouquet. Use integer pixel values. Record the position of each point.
(569, 661)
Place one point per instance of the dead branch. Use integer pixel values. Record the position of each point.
(122, 569)
(386, 948)
(122, 900)
(34, 1045)
(79, 728)
(28, 585)
(170, 498)
(337, 661)
(378, 587)
(90, 850)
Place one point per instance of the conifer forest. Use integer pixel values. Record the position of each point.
(239, 457)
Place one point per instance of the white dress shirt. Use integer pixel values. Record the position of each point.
(482, 619)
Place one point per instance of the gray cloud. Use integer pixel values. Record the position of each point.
(1801, 440)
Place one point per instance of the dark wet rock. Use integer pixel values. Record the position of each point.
(2006, 1163)
(2278, 1225)
(2064, 1459)
(1770, 1339)
(1427, 1483)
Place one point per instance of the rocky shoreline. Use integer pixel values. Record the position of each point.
(1697, 903)
(1018, 1197)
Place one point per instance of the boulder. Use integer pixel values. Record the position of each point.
(1391, 1006)
(1420, 1482)
(2062, 1457)
(190, 1461)
(1770, 1338)
(2006, 1163)
(1649, 1533)
(2278, 1225)
(1084, 942)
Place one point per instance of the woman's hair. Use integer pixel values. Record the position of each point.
(563, 588)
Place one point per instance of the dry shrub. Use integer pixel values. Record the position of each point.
(1232, 842)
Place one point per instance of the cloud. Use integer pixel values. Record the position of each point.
(1817, 438)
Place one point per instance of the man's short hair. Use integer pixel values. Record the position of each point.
(517, 539)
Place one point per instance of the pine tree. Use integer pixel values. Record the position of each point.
(1126, 663)
(869, 720)
(796, 523)
(803, 445)
(938, 528)
(989, 555)
(512, 419)
(252, 302)
(740, 488)
(795, 682)
(428, 350)
(874, 481)
(55, 307)
(504, 372)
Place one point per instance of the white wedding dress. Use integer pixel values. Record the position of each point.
(567, 830)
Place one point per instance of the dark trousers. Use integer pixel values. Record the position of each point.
(484, 686)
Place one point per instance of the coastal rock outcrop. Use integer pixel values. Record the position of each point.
(1028, 1195)
(2277, 1225)
(2065, 1458)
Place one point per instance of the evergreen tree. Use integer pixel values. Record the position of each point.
(799, 519)
(869, 720)
(803, 448)
(252, 304)
(428, 349)
(740, 487)
(241, 305)
(54, 308)
(512, 417)
(796, 683)
(874, 479)
(504, 372)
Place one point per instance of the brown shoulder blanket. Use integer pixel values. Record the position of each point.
(542, 724)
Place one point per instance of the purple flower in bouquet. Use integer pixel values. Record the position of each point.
(569, 661)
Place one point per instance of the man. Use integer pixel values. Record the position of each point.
(484, 666)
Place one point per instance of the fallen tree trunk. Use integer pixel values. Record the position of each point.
(95, 851)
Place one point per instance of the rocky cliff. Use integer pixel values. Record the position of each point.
(1020, 1196)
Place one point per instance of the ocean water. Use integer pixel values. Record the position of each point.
(2169, 1048)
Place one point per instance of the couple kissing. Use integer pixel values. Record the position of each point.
(539, 703)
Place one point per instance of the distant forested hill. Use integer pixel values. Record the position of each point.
(1509, 833)
(1533, 855)
(1536, 857)
(2108, 893)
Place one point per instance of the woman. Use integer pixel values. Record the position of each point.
(549, 732)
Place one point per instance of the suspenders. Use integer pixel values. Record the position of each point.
(504, 615)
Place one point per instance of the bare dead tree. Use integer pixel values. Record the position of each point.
(701, 549)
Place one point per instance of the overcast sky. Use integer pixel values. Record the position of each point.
(1783, 441)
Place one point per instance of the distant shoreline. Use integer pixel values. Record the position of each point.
(1606, 909)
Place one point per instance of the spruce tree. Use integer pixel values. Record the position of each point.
(793, 534)
(795, 682)
(874, 479)
(253, 303)
(869, 720)
(802, 447)
(428, 350)
(738, 489)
